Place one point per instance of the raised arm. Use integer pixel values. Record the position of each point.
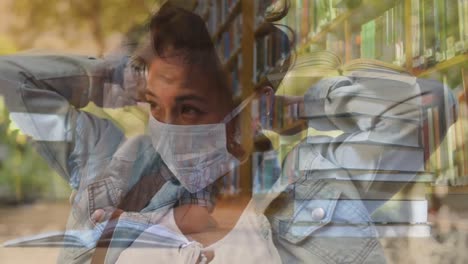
(380, 115)
(44, 94)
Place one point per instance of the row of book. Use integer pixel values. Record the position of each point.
(382, 38)
(235, 70)
(448, 159)
(230, 40)
(216, 12)
(259, 113)
(270, 51)
(273, 115)
(309, 17)
(335, 42)
(230, 185)
(396, 200)
(265, 171)
(440, 30)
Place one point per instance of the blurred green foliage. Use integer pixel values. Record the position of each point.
(6, 45)
(24, 175)
(100, 18)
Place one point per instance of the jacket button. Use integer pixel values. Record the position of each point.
(318, 214)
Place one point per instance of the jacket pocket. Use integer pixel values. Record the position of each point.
(313, 207)
(102, 194)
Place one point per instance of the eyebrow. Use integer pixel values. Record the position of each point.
(180, 97)
(166, 78)
(190, 97)
(147, 91)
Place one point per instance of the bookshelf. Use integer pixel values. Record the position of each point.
(230, 25)
(429, 38)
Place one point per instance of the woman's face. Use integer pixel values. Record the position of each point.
(181, 94)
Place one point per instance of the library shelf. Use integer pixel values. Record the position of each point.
(232, 58)
(445, 65)
(355, 17)
(235, 10)
(345, 28)
(332, 26)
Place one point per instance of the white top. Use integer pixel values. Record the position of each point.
(248, 242)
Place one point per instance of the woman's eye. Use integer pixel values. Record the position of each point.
(191, 111)
(155, 109)
(153, 105)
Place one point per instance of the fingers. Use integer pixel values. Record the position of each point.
(206, 257)
(102, 214)
(98, 216)
(72, 197)
(209, 255)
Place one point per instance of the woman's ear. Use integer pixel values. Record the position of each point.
(234, 142)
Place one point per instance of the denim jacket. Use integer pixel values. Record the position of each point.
(320, 209)
(317, 210)
(332, 185)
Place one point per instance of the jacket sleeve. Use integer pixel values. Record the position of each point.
(44, 93)
(380, 116)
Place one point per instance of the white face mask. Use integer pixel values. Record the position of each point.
(196, 154)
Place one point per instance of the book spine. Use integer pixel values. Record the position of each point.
(440, 28)
(465, 22)
(447, 145)
(460, 144)
(256, 172)
(420, 230)
(429, 33)
(305, 20)
(399, 34)
(426, 144)
(461, 26)
(431, 138)
(464, 114)
(271, 169)
(416, 31)
(436, 129)
(398, 211)
(299, 5)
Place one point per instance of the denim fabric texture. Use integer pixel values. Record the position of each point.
(314, 210)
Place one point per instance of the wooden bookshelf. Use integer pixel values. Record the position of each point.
(336, 24)
(461, 59)
(229, 62)
(350, 19)
(347, 26)
(239, 9)
(235, 10)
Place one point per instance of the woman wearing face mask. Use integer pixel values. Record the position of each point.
(113, 177)
(193, 127)
(193, 142)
